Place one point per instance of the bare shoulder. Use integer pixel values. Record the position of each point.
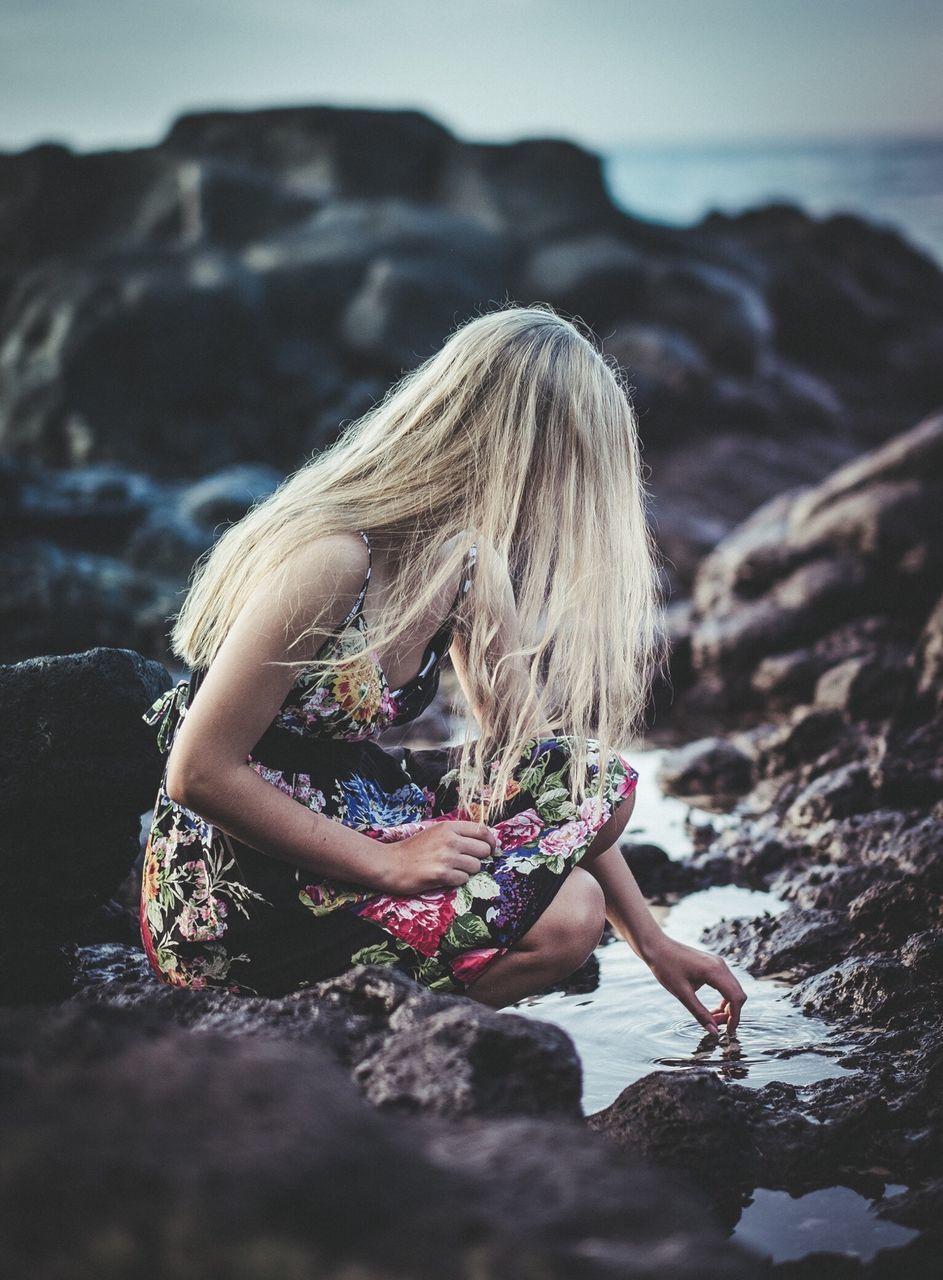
(323, 578)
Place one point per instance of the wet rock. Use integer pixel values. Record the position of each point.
(836, 794)
(692, 1124)
(811, 564)
(796, 941)
(658, 876)
(892, 910)
(869, 990)
(291, 1169)
(707, 767)
(450, 1063)
(77, 720)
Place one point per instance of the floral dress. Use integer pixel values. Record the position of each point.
(215, 912)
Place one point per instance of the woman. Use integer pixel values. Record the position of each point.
(491, 505)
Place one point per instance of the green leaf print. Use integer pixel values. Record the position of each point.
(466, 932)
(446, 983)
(555, 806)
(376, 953)
(480, 885)
(155, 917)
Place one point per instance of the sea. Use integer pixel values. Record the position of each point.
(895, 182)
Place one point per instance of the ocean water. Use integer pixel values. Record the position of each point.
(896, 183)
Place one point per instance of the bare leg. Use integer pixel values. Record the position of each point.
(563, 937)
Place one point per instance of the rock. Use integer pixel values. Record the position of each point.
(409, 1050)
(187, 523)
(658, 876)
(449, 1063)
(77, 768)
(836, 794)
(708, 767)
(797, 941)
(596, 275)
(691, 1124)
(135, 364)
(723, 312)
(94, 509)
(319, 251)
(398, 316)
(838, 288)
(848, 569)
(869, 990)
(805, 735)
(64, 601)
(865, 688)
(928, 657)
(320, 151)
(293, 1170)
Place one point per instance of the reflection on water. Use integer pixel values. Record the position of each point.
(836, 1220)
(631, 1025)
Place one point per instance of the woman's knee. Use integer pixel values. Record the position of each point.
(574, 922)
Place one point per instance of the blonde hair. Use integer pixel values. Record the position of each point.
(518, 434)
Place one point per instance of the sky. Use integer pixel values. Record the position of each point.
(115, 73)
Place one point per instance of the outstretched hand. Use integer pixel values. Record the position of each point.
(682, 970)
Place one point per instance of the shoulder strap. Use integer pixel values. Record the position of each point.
(470, 558)
(358, 603)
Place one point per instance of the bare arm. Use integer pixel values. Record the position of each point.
(240, 695)
(207, 770)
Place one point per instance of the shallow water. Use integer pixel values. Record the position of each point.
(835, 1219)
(631, 1025)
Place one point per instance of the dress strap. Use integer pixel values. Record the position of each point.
(470, 558)
(358, 603)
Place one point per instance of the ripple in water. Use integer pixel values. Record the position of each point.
(631, 1025)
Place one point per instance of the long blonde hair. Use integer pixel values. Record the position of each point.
(518, 434)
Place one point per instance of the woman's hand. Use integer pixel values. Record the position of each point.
(682, 970)
(442, 856)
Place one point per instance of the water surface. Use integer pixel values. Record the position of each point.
(631, 1025)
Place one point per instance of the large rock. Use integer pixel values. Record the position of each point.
(775, 605)
(132, 1144)
(78, 767)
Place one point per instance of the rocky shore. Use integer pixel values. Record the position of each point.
(213, 308)
(181, 324)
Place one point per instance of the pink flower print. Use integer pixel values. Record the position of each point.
(204, 923)
(467, 966)
(420, 922)
(388, 708)
(200, 877)
(523, 828)
(629, 781)
(274, 776)
(560, 842)
(307, 794)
